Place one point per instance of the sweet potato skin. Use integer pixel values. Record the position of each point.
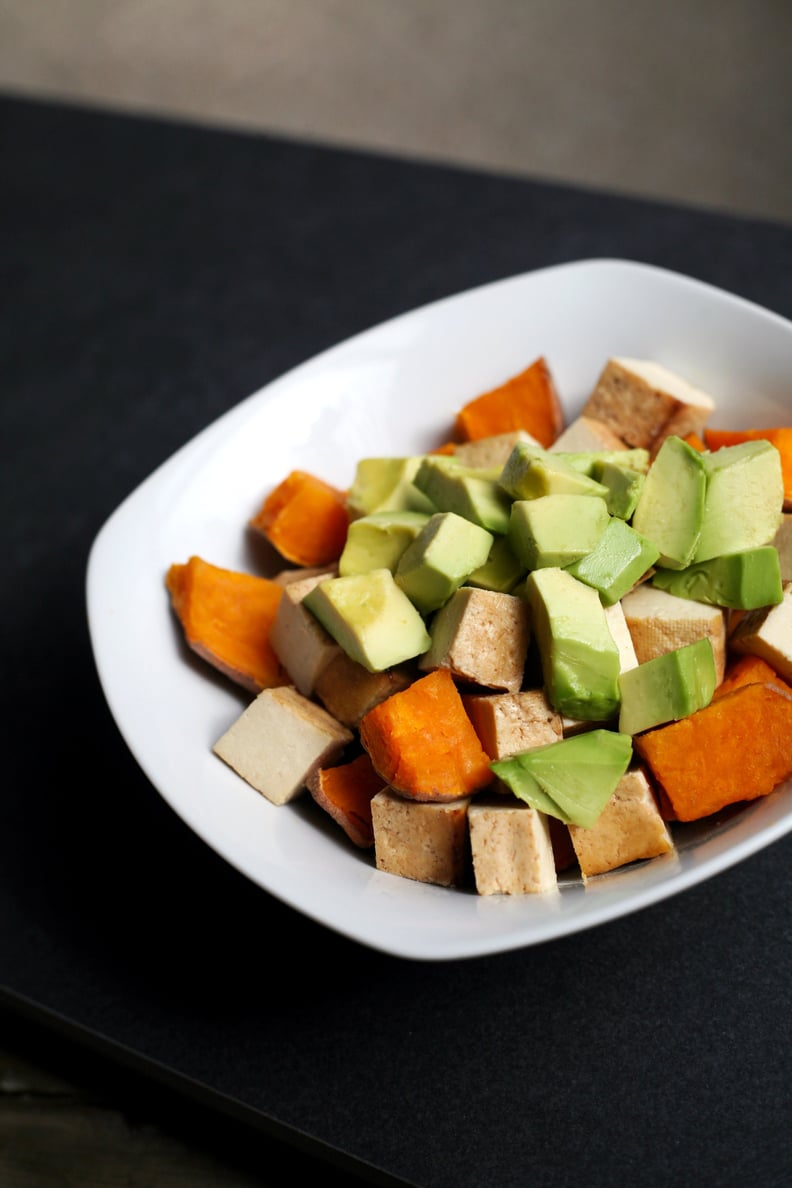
(345, 792)
(226, 617)
(736, 749)
(423, 744)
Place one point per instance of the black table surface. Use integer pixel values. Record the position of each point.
(154, 275)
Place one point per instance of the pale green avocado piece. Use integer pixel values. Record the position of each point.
(572, 779)
(530, 472)
(745, 495)
(501, 571)
(525, 786)
(668, 687)
(579, 658)
(446, 550)
(587, 462)
(624, 487)
(670, 508)
(472, 492)
(385, 484)
(556, 530)
(620, 558)
(377, 541)
(745, 580)
(370, 617)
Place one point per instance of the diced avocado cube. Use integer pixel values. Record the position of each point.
(624, 487)
(635, 458)
(741, 581)
(377, 541)
(556, 530)
(670, 509)
(447, 549)
(530, 473)
(620, 558)
(572, 779)
(501, 571)
(579, 657)
(668, 687)
(385, 484)
(370, 617)
(745, 495)
(471, 492)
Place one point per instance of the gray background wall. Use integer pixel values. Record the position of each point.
(685, 99)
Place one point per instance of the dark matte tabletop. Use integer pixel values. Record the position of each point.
(154, 275)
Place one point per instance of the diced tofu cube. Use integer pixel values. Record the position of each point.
(643, 403)
(783, 542)
(511, 848)
(508, 723)
(348, 690)
(660, 622)
(297, 637)
(587, 435)
(279, 740)
(767, 633)
(420, 840)
(482, 637)
(628, 829)
(491, 451)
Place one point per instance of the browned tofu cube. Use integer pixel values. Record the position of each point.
(511, 848)
(643, 403)
(279, 740)
(298, 639)
(585, 435)
(482, 637)
(348, 691)
(420, 840)
(508, 723)
(767, 632)
(628, 829)
(660, 622)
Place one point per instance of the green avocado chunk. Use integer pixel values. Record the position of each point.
(745, 495)
(500, 572)
(624, 487)
(670, 508)
(446, 550)
(370, 617)
(579, 658)
(745, 580)
(588, 462)
(572, 779)
(530, 472)
(377, 541)
(385, 484)
(619, 559)
(667, 688)
(556, 530)
(471, 492)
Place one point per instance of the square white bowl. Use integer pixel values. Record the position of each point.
(394, 389)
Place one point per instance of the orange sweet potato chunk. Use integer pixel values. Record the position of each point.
(226, 617)
(423, 744)
(305, 519)
(345, 792)
(749, 670)
(527, 401)
(736, 749)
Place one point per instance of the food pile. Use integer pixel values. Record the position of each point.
(528, 651)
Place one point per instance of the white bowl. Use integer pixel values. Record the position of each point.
(394, 389)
